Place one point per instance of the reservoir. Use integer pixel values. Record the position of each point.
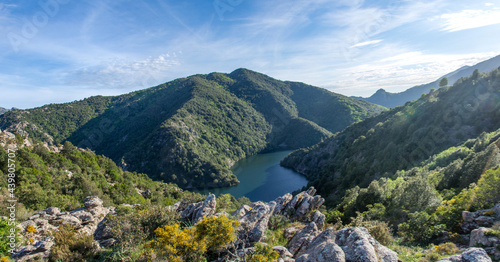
(262, 178)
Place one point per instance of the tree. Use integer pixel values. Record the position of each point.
(443, 82)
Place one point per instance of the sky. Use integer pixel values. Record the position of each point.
(55, 51)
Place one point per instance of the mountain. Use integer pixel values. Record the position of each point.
(401, 138)
(3, 110)
(190, 131)
(391, 100)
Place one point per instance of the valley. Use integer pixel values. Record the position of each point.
(425, 173)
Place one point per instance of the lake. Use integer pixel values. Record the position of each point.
(262, 178)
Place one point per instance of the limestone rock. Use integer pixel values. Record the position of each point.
(92, 202)
(319, 218)
(300, 242)
(197, 211)
(469, 255)
(283, 252)
(323, 248)
(86, 220)
(478, 237)
(254, 222)
(358, 245)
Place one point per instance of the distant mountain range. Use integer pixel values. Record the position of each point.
(391, 100)
(190, 131)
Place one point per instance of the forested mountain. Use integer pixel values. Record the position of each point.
(402, 138)
(190, 131)
(391, 100)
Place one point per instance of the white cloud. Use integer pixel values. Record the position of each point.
(123, 74)
(372, 42)
(468, 19)
(401, 71)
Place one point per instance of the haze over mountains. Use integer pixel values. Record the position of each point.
(3, 110)
(190, 131)
(391, 100)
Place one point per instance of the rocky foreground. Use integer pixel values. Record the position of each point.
(308, 242)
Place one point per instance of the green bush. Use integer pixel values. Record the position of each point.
(71, 246)
(420, 227)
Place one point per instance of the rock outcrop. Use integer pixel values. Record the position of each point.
(478, 224)
(197, 211)
(352, 244)
(469, 255)
(254, 218)
(39, 227)
(358, 245)
(481, 218)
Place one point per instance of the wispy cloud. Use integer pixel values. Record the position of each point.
(468, 19)
(123, 74)
(401, 71)
(372, 42)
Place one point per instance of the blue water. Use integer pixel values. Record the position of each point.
(262, 178)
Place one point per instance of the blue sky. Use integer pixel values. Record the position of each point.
(63, 50)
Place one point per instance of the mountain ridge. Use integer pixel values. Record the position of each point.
(391, 100)
(191, 130)
(401, 138)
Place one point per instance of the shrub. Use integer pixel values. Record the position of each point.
(420, 227)
(177, 245)
(190, 244)
(216, 231)
(446, 249)
(70, 246)
(381, 232)
(263, 254)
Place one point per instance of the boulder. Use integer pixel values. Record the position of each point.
(322, 249)
(358, 245)
(283, 252)
(469, 255)
(92, 202)
(301, 240)
(197, 211)
(254, 222)
(319, 218)
(478, 237)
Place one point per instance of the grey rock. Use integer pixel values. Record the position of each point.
(282, 251)
(67, 220)
(478, 237)
(52, 210)
(92, 202)
(289, 232)
(322, 249)
(254, 222)
(197, 211)
(319, 219)
(301, 240)
(107, 243)
(484, 221)
(360, 246)
(469, 255)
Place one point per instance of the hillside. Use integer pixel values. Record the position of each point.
(401, 138)
(391, 100)
(3, 110)
(190, 131)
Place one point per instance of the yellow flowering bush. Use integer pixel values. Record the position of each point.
(190, 244)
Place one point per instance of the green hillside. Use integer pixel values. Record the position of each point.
(401, 138)
(190, 131)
